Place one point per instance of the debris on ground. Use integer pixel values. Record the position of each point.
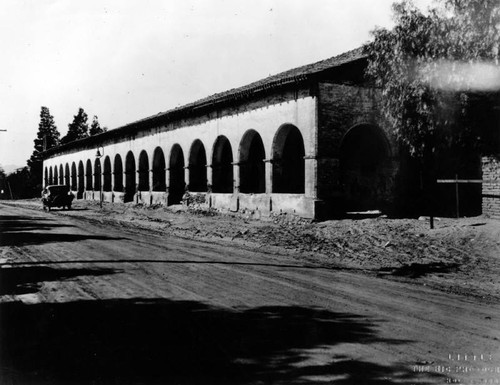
(459, 255)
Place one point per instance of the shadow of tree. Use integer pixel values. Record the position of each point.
(417, 270)
(160, 341)
(22, 230)
(23, 280)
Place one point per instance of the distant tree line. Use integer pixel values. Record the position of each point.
(27, 181)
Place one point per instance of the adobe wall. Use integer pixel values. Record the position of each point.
(342, 108)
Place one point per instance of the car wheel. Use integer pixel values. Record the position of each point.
(69, 206)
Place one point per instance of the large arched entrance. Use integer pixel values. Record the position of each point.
(88, 176)
(97, 175)
(118, 173)
(61, 175)
(107, 174)
(51, 177)
(159, 170)
(67, 176)
(222, 166)
(130, 171)
(143, 171)
(73, 177)
(46, 177)
(364, 164)
(176, 183)
(81, 180)
(288, 161)
(197, 167)
(252, 167)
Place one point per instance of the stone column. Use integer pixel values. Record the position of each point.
(310, 177)
(269, 175)
(187, 175)
(236, 177)
(150, 176)
(167, 179)
(209, 178)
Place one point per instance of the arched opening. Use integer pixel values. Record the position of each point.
(176, 183)
(97, 174)
(252, 167)
(67, 176)
(46, 177)
(73, 177)
(88, 175)
(143, 171)
(81, 180)
(288, 161)
(159, 170)
(197, 167)
(106, 186)
(364, 152)
(222, 166)
(61, 174)
(118, 173)
(130, 172)
(51, 177)
(56, 176)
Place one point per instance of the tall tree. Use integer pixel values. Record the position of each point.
(437, 71)
(95, 127)
(78, 129)
(47, 137)
(432, 66)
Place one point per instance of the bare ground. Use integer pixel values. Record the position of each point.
(148, 295)
(459, 256)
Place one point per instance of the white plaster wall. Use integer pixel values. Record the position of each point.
(265, 120)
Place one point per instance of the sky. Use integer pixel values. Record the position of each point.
(124, 60)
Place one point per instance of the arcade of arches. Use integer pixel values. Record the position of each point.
(165, 174)
(293, 152)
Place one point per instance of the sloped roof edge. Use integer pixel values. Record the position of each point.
(271, 82)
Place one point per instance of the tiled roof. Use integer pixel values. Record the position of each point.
(271, 82)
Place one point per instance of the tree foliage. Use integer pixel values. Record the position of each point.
(95, 127)
(432, 66)
(78, 129)
(47, 136)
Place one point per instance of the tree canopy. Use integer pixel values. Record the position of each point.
(95, 127)
(432, 66)
(78, 129)
(47, 136)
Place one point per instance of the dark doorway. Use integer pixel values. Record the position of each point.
(252, 167)
(197, 167)
(288, 161)
(159, 170)
(222, 166)
(364, 157)
(130, 171)
(176, 179)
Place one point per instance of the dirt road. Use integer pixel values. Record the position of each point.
(83, 302)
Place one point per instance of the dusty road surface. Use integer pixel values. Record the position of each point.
(92, 302)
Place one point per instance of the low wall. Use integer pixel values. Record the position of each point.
(261, 204)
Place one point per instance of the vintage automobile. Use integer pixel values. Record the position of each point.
(57, 196)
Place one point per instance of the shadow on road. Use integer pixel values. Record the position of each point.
(159, 341)
(24, 280)
(417, 270)
(21, 230)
